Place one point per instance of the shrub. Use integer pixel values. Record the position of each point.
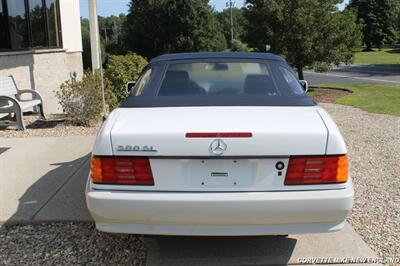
(122, 69)
(238, 46)
(83, 102)
(321, 67)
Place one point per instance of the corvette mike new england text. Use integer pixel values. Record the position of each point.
(348, 260)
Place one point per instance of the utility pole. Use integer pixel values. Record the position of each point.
(231, 4)
(94, 35)
(106, 36)
(96, 48)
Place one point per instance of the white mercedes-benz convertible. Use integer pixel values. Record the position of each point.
(219, 144)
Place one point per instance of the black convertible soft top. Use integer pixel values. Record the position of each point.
(217, 55)
(159, 66)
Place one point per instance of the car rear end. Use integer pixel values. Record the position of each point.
(269, 180)
(200, 169)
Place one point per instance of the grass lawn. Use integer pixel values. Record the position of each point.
(374, 98)
(315, 93)
(386, 56)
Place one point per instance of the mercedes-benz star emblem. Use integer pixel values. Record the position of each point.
(218, 147)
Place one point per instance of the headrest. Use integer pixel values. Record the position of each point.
(177, 76)
(259, 84)
(175, 83)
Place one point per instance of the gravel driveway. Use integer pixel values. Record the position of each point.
(374, 147)
(373, 141)
(68, 244)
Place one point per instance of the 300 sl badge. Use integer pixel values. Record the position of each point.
(144, 148)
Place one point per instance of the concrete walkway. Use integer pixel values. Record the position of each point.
(43, 180)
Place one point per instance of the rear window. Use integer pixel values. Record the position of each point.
(217, 82)
(228, 79)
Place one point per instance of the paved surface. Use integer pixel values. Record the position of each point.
(35, 173)
(387, 74)
(255, 250)
(45, 183)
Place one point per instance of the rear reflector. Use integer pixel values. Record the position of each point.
(317, 170)
(121, 171)
(219, 135)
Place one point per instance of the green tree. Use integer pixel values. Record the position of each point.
(238, 46)
(398, 24)
(307, 32)
(224, 18)
(122, 69)
(155, 27)
(379, 20)
(86, 54)
(111, 31)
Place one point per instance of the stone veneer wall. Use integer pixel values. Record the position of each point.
(42, 70)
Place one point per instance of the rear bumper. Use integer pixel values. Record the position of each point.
(238, 213)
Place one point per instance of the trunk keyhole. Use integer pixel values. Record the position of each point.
(279, 165)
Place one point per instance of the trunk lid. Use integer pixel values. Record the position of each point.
(276, 131)
(188, 164)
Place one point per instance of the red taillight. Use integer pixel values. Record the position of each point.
(219, 135)
(122, 171)
(317, 170)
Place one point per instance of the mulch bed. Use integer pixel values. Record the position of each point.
(327, 95)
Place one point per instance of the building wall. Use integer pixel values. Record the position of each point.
(49, 71)
(45, 70)
(75, 63)
(42, 70)
(71, 25)
(20, 66)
